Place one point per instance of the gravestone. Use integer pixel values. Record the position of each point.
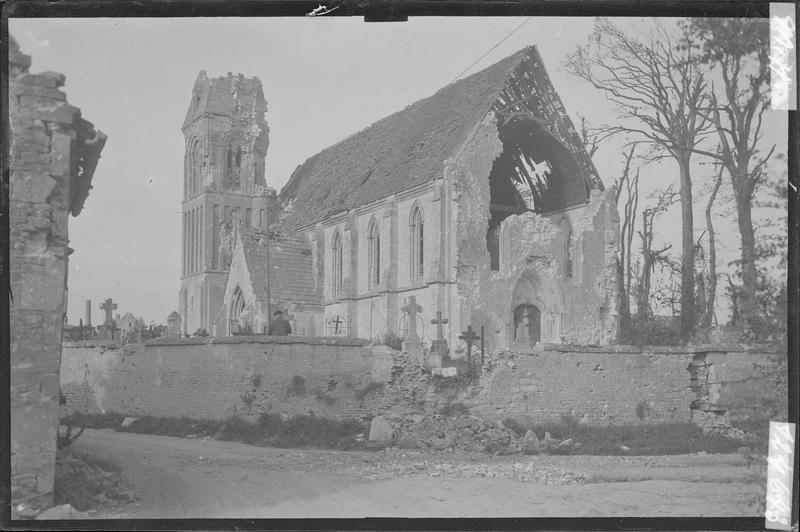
(108, 329)
(469, 338)
(174, 325)
(439, 347)
(380, 429)
(411, 343)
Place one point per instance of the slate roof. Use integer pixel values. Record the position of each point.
(400, 151)
(290, 264)
(255, 256)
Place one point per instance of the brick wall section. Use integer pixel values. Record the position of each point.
(210, 378)
(622, 384)
(51, 164)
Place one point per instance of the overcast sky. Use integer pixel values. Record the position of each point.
(323, 79)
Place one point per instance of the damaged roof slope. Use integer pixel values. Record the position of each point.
(410, 147)
(289, 270)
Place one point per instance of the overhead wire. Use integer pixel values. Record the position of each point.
(504, 39)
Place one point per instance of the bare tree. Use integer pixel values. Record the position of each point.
(626, 237)
(739, 48)
(661, 99)
(650, 257)
(711, 290)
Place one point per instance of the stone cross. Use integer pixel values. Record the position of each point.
(336, 323)
(108, 306)
(469, 337)
(411, 309)
(439, 321)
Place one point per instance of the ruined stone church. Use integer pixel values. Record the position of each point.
(479, 201)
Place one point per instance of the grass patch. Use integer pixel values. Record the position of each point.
(653, 439)
(269, 430)
(94, 421)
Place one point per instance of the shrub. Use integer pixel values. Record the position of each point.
(323, 397)
(390, 340)
(105, 420)
(652, 330)
(80, 479)
(518, 428)
(651, 439)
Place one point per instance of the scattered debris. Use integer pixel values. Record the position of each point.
(64, 511)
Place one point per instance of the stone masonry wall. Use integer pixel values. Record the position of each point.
(215, 378)
(623, 384)
(51, 165)
(206, 378)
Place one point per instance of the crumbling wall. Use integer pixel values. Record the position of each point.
(624, 384)
(51, 165)
(206, 378)
(581, 308)
(741, 386)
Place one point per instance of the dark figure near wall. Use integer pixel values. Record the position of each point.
(279, 326)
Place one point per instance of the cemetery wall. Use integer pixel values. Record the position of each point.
(207, 378)
(215, 378)
(624, 384)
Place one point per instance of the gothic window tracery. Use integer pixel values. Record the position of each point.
(336, 263)
(373, 255)
(417, 247)
(570, 255)
(237, 311)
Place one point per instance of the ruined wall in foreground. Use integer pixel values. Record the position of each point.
(53, 153)
(215, 378)
(624, 384)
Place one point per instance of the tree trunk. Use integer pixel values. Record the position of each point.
(712, 255)
(624, 306)
(747, 303)
(688, 319)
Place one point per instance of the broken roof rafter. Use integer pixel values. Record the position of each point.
(410, 147)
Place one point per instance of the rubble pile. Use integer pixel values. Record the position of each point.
(519, 471)
(436, 433)
(405, 394)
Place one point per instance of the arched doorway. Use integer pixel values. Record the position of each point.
(539, 298)
(527, 324)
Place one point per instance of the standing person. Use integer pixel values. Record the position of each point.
(279, 326)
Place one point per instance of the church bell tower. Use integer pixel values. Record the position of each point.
(224, 188)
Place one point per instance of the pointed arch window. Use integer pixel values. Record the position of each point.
(417, 235)
(237, 309)
(373, 255)
(229, 167)
(195, 168)
(570, 255)
(336, 262)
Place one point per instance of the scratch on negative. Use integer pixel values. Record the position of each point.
(321, 10)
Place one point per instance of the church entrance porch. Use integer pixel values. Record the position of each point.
(536, 310)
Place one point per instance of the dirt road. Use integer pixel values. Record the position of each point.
(177, 477)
